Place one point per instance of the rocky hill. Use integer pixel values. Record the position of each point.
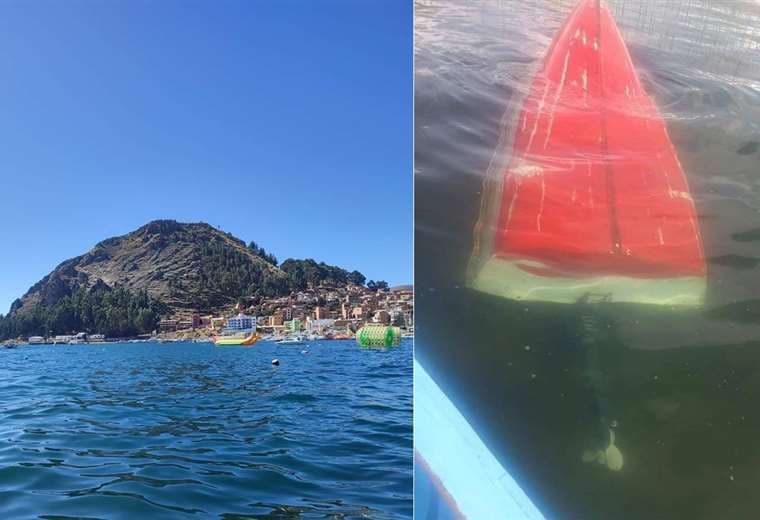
(175, 267)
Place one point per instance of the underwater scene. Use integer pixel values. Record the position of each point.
(587, 248)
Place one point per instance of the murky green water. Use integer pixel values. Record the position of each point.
(679, 388)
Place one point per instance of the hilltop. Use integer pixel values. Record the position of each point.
(164, 268)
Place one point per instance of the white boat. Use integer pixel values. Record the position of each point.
(79, 338)
(36, 340)
(294, 340)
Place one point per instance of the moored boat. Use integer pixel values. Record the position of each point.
(79, 339)
(294, 340)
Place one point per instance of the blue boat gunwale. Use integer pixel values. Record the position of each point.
(456, 457)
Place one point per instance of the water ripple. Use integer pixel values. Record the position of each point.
(189, 430)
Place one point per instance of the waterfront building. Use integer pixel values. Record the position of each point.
(397, 318)
(382, 317)
(36, 340)
(217, 323)
(167, 325)
(313, 326)
(241, 322)
(409, 318)
(293, 325)
(205, 321)
(358, 312)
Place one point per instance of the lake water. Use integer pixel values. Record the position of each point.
(681, 387)
(189, 430)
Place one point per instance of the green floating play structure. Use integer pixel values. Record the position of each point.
(378, 336)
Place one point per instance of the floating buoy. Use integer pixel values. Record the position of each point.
(276, 362)
(593, 204)
(378, 336)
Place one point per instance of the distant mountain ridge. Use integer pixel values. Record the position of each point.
(175, 267)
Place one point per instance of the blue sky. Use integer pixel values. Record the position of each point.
(284, 122)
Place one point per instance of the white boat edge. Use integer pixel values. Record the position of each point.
(460, 460)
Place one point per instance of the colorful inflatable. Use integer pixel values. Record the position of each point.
(378, 336)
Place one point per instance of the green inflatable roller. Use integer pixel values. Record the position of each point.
(378, 336)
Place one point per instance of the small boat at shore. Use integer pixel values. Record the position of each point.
(237, 340)
(295, 340)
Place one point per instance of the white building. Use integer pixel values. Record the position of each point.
(398, 318)
(318, 325)
(241, 322)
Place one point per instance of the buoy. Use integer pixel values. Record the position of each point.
(593, 203)
(276, 362)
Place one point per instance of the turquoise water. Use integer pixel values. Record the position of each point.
(189, 430)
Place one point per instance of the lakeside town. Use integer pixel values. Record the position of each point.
(322, 312)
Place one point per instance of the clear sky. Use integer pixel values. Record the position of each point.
(284, 122)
